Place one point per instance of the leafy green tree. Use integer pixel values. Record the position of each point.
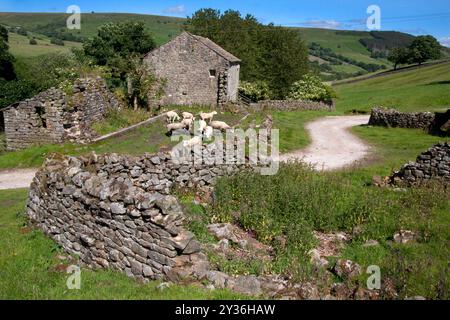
(399, 56)
(140, 82)
(3, 33)
(118, 41)
(424, 48)
(272, 54)
(238, 35)
(284, 59)
(6, 59)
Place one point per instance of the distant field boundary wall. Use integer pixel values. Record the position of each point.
(290, 105)
(437, 123)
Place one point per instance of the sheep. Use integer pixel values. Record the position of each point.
(208, 132)
(187, 115)
(172, 116)
(175, 126)
(207, 116)
(201, 126)
(188, 122)
(219, 125)
(192, 142)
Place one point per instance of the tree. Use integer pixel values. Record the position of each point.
(424, 48)
(6, 58)
(275, 55)
(238, 35)
(399, 56)
(140, 82)
(284, 59)
(118, 41)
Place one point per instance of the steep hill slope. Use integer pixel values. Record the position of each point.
(423, 89)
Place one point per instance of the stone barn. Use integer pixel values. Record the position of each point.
(194, 70)
(56, 115)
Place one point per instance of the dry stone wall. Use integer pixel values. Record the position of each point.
(55, 116)
(432, 164)
(393, 118)
(117, 212)
(290, 105)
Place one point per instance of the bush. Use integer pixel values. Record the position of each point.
(258, 90)
(311, 88)
(33, 42)
(57, 41)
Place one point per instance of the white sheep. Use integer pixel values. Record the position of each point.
(202, 125)
(175, 126)
(187, 115)
(207, 116)
(172, 116)
(220, 125)
(188, 122)
(192, 142)
(208, 132)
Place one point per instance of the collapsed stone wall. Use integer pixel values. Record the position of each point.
(55, 116)
(290, 105)
(393, 118)
(431, 164)
(117, 212)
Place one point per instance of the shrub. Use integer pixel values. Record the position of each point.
(297, 200)
(33, 42)
(258, 90)
(311, 88)
(57, 41)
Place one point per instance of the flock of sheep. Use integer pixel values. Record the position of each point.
(205, 130)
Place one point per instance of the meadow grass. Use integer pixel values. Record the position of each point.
(423, 89)
(20, 46)
(296, 201)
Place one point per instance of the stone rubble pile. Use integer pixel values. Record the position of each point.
(431, 164)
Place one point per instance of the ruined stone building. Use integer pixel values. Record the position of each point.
(57, 115)
(194, 70)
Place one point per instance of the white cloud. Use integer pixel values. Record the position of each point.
(180, 9)
(445, 41)
(325, 24)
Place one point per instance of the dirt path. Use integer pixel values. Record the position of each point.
(16, 178)
(333, 146)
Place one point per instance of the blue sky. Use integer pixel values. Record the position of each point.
(412, 16)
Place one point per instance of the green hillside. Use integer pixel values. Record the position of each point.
(343, 54)
(423, 89)
(163, 28)
(20, 46)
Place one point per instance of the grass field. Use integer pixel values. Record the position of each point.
(423, 89)
(346, 44)
(20, 46)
